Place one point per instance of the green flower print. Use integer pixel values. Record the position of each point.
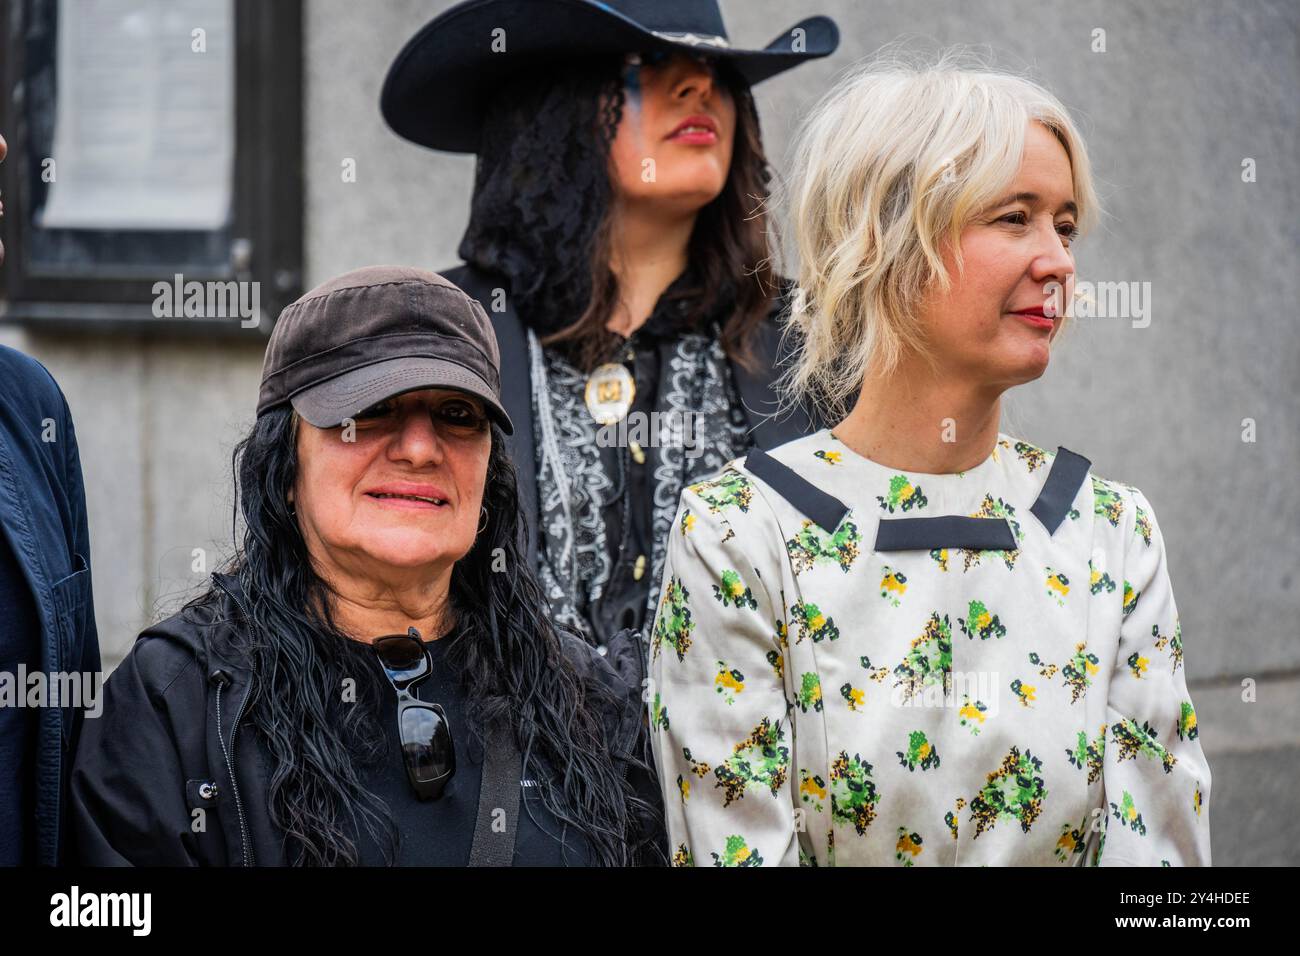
(1130, 599)
(1127, 813)
(1089, 753)
(1077, 672)
(1142, 525)
(813, 623)
(920, 752)
(736, 853)
(733, 593)
(903, 495)
(1106, 502)
(760, 761)
(812, 544)
(1014, 791)
(731, 489)
(1133, 740)
(810, 693)
(830, 457)
(658, 714)
(853, 696)
(682, 856)
(929, 660)
(981, 622)
(853, 792)
(673, 626)
(1187, 721)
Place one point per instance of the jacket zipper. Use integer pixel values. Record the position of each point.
(230, 766)
(248, 859)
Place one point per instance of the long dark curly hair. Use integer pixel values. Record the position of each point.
(540, 214)
(508, 657)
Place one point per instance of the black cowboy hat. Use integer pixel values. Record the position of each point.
(439, 86)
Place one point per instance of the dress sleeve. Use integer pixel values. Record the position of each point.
(1157, 780)
(721, 736)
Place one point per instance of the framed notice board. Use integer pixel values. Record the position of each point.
(152, 144)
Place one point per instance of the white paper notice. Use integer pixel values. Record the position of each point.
(145, 129)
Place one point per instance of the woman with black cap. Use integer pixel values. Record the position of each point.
(617, 238)
(374, 678)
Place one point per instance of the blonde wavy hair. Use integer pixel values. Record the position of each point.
(897, 158)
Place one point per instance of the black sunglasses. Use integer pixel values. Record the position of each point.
(426, 736)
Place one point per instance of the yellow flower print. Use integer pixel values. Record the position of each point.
(1137, 664)
(1024, 692)
(1058, 583)
(729, 681)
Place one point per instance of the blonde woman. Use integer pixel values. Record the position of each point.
(911, 639)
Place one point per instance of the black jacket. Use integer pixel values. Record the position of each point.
(756, 388)
(172, 740)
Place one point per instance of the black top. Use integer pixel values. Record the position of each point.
(140, 769)
(440, 832)
(20, 631)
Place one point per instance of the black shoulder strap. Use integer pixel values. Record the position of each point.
(1058, 492)
(826, 510)
(498, 790)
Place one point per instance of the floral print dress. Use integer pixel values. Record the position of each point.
(820, 699)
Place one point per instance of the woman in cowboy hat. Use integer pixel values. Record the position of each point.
(617, 239)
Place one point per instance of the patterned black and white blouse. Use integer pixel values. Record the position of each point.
(607, 496)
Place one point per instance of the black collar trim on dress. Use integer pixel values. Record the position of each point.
(1062, 484)
(945, 531)
(924, 534)
(826, 510)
